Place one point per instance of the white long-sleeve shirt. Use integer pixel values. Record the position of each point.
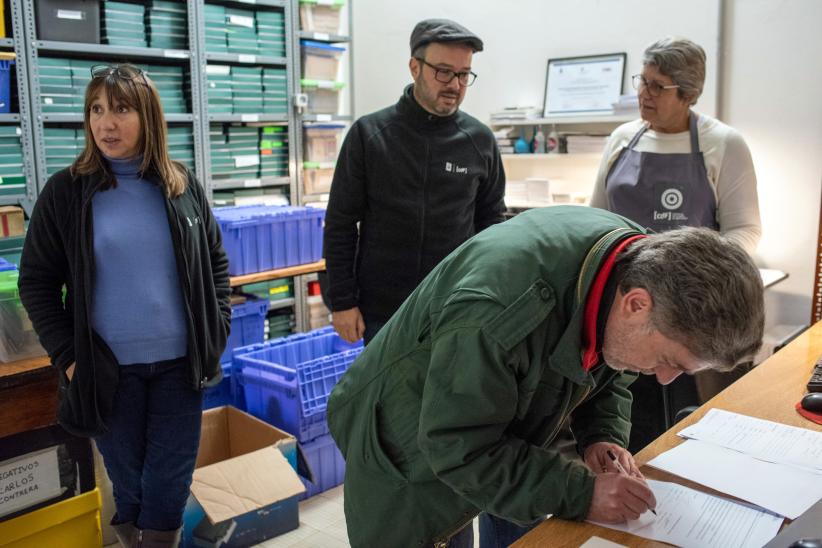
(728, 163)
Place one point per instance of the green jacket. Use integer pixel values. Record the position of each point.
(452, 407)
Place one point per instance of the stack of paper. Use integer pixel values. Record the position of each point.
(516, 113)
(772, 465)
(686, 517)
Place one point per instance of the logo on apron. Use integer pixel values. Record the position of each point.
(669, 201)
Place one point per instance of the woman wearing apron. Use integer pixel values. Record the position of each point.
(673, 168)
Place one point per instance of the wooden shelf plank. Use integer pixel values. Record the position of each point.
(278, 273)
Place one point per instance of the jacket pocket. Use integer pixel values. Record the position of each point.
(380, 456)
(88, 399)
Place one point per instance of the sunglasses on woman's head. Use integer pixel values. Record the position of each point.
(126, 72)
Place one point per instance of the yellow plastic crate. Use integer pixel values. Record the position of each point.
(71, 523)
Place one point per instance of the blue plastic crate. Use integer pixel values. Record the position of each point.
(327, 464)
(287, 381)
(259, 238)
(5, 85)
(219, 395)
(5, 265)
(247, 326)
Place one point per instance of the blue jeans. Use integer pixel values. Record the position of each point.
(498, 533)
(151, 446)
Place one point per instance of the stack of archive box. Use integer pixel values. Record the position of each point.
(271, 33)
(63, 84)
(124, 24)
(166, 25)
(62, 145)
(181, 145)
(275, 91)
(216, 31)
(241, 32)
(273, 151)
(11, 158)
(247, 87)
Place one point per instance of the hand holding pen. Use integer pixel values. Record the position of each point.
(621, 469)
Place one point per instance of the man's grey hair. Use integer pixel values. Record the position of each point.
(707, 294)
(683, 61)
(419, 53)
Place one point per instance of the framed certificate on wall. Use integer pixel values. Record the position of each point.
(583, 85)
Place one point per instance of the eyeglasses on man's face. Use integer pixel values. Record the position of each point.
(126, 72)
(445, 76)
(654, 88)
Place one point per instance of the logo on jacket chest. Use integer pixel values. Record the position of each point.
(455, 168)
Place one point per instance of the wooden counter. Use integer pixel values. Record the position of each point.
(769, 391)
(28, 395)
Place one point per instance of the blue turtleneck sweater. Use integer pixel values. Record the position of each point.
(137, 304)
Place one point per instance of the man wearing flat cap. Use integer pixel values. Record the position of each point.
(413, 181)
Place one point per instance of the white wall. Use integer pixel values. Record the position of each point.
(773, 95)
(520, 36)
(771, 87)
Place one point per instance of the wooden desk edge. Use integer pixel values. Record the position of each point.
(278, 273)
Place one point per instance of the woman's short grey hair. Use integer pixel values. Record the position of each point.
(683, 61)
(707, 294)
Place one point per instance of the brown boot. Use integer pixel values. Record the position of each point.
(125, 533)
(148, 538)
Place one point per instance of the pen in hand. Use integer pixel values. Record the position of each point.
(622, 470)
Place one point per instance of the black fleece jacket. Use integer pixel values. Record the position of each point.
(59, 250)
(419, 185)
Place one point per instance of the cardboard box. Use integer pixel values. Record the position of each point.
(245, 486)
(11, 221)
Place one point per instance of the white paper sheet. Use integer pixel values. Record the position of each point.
(766, 440)
(599, 542)
(785, 490)
(692, 519)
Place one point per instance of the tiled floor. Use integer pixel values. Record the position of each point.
(322, 524)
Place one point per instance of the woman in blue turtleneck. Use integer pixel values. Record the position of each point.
(146, 314)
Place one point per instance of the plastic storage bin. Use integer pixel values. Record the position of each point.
(323, 97)
(228, 392)
(326, 463)
(287, 381)
(68, 20)
(17, 337)
(316, 179)
(324, 18)
(72, 523)
(247, 326)
(259, 238)
(5, 85)
(320, 61)
(322, 142)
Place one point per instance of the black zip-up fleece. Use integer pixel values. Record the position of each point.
(59, 250)
(419, 185)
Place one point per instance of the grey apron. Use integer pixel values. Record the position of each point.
(662, 191)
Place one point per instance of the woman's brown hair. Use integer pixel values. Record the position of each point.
(128, 85)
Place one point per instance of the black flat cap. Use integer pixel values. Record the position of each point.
(442, 30)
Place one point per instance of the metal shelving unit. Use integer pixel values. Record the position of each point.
(246, 59)
(106, 53)
(195, 60)
(259, 182)
(306, 118)
(24, 195)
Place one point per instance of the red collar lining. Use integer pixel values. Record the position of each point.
(590, 355)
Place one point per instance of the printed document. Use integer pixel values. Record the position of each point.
(784, 490)
(762, 439)
(692, 519)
